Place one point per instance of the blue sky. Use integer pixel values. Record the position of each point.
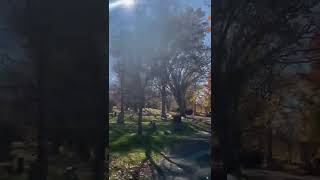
(193, 3)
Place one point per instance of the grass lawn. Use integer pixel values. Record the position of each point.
(129, 151)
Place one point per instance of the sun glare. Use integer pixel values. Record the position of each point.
(128, 3)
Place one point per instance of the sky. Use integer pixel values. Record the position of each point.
(192, 3)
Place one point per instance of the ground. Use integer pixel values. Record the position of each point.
(162, 153)
(157, 154)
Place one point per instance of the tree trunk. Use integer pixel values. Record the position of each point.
(194, 110)
(182, 106)
(269, 146)
(163, 103)
(140, 120)
(41, 120)
(99, 163)
(225, 100)
(120, 119)
(42, 147)
(135, 108)
(168, 104)
(289, 146)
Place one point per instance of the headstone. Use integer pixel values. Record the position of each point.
(18, 153)
(61, 149)
(70, 174)
(91, 155)
(153, 126)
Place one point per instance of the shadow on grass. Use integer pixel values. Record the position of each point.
(127, 146)
(123, 138)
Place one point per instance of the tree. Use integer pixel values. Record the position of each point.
(136, 46)
(249, 36)
(75, 49)
(120, 70)
(190, 60)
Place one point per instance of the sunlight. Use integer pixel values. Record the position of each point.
(125, 3)
(128, 3)
(114, 5)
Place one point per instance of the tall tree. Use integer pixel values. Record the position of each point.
(190, 58)
(60, 42)
(119, 68)
(248, 36)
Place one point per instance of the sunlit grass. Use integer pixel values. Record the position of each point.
(130, 150)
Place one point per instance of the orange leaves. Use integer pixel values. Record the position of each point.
(209, 29)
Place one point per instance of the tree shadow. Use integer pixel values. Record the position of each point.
(162, 173)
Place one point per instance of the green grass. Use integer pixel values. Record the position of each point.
(123, 137)
(129, 149)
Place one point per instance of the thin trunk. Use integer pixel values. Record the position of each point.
(168, 104)
(140, 120)
(194, 110)
(236, 139)
(269, 146)
(120, 119)
(163, 102)
(289, 146)
(41, 120)
(42, 146)
(135, 108)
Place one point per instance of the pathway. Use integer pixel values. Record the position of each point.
(189, 159)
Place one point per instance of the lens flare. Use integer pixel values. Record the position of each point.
(128, 3)
(124, 3)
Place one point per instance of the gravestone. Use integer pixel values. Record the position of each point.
(62, 150)
(70, 174)
(153, 126)
(18, 153)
